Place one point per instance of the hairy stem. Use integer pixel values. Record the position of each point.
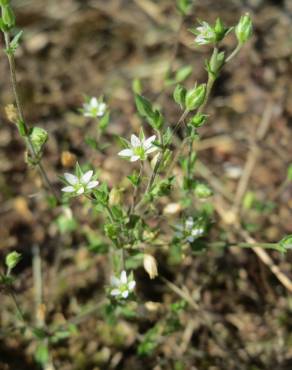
(28, 141)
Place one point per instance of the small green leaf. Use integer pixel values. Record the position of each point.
(42, 354)
(14, 44)
(183, 73)
(12, 260)
(137, 86)
(104, 121)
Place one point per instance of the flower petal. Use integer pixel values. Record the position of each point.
(92, 184)
(101, 109)
(125, 294)
(93, 102)
(132, 284)
(135, 141)
(68, 189)
(115, 292)
(126, 153)
(151, 150)
(80, 191)
(123, 277)
(134, 158)
(115, 281)
(71, 179)
(86, 177)
(147, 143)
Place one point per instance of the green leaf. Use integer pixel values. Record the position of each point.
(183, 73)
(137, 86)
(289, 173)
(184, 6)
(286, 242)
(14, 44)
(12, 260)
(104, 121)
(42, 354)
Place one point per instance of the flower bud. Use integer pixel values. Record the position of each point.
(114, 197)
(195, 97)
(220, 30)
(150, 265)
(12, 260)
(243, 30)
(198, 120)
(202, 190)
(8, 16)
(216, 63)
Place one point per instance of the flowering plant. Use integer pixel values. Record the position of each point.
(134, 221)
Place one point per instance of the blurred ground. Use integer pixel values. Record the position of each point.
(95, 47)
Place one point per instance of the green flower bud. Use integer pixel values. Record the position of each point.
(179, 95)
(202, 190)
(195, 97)
(198, 120)
(220, 30)
(12, 260)
(216, 63)
(8, 16)
(38, 136)
(243, 30)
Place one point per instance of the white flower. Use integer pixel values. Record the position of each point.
(79, 185)
(139, 148)
(191, 230)
(94, 108)
(122, 286)
(205, 34)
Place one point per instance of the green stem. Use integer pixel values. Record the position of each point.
(234, 53)
(28, 141)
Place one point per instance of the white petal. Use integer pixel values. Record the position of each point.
(101, 109)
(134, 158)
(115, 292)
(135, 141)
(80, 191)
(123, 277)
(93, 102)
(132, 284)
(125, 294)
(68, 189)
(86, 177)
(190, 239)
(151, 150)
(92, 184)
(147, 143)
(126, 153)
(71, 179)
(115, 281)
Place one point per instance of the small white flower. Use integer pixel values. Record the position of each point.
(79, 185)
(190, 230)
(205, 34)
(94, 108)
(139, 148)
(122, 286)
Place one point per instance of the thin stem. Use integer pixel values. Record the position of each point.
(132, 208)
(234, 53)
(28, 141)
(154, 172)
